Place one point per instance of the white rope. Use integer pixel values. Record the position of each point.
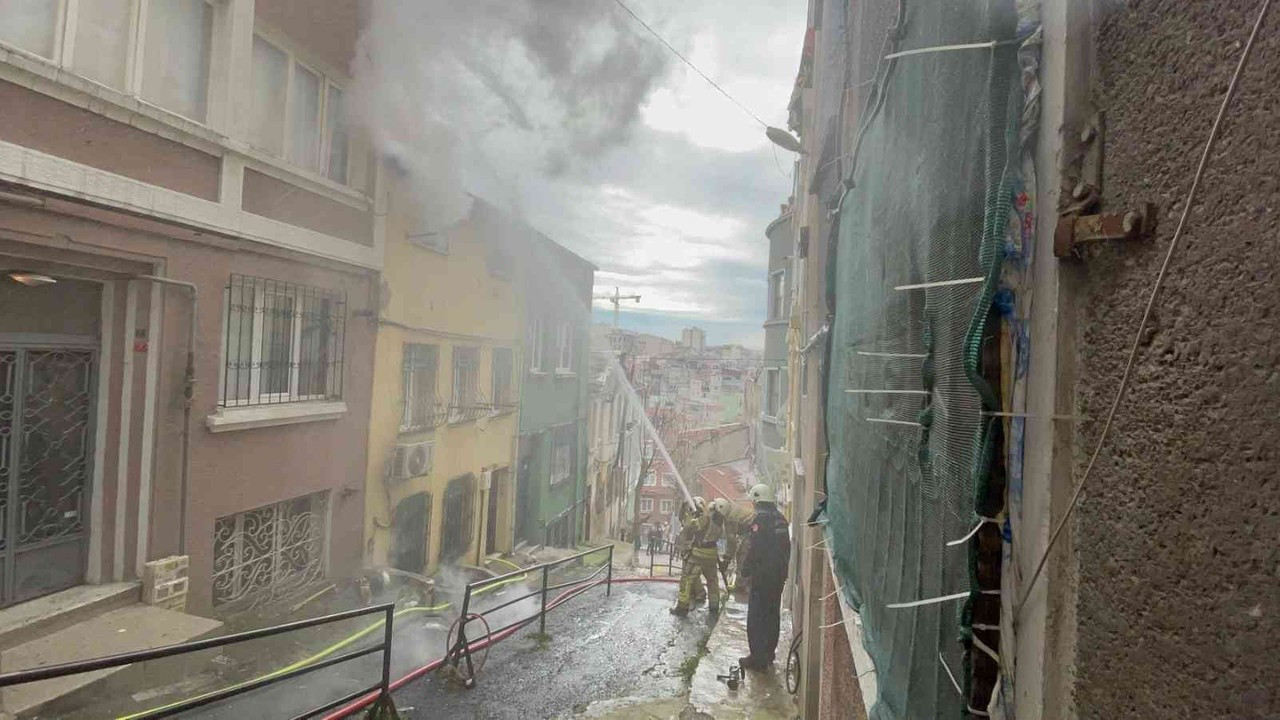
(942, 283)
(887, 421)
(892, 355)
(977, 642)
(928, 601)
(834, 624)
(887, 392)
(953, 677)
(980, 713)
(981, 521)
(949, 48)
(984, 626)
(1029, 415)
(1146, 313)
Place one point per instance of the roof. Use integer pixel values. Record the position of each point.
(729, 481)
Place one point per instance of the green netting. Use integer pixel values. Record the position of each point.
(928, 203)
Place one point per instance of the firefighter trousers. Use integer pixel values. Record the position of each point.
(702, 563)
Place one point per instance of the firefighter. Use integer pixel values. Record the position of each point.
(735, 525)
(706, 528)
(765, 567)
(684, 541)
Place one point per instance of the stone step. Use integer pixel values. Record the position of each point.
(35, 618)
(135, 627)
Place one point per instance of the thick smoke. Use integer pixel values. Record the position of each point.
(484, 95)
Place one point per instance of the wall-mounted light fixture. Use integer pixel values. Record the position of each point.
(31, 279)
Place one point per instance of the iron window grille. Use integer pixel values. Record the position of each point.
(423, 407)
(283, 342)
(270, 552)
(563, 441)
(468, 402)
(459, 516)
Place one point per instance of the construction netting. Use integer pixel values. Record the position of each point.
(921, 209)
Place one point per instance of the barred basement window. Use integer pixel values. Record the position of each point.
(283, 342)
(270, 552)
(459, 514)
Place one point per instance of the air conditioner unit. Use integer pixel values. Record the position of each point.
(412, 460)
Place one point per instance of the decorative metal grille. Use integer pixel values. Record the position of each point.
(283, 342)
(459, 517)
(469, 402)
(267, 553)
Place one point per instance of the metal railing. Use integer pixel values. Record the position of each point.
(460, 649)
(668, 548)
(382, 687)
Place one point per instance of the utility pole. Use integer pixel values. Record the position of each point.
(616, 299)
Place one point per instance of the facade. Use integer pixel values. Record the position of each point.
(775, 378)
(442, 436)
(614, 454)
(201, 365)
(551, 479)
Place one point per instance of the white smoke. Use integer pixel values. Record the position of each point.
(484, 96)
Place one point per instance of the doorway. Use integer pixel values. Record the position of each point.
(46, 411)
(497, 493)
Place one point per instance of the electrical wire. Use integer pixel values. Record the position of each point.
(1151, 301)
(688, 62)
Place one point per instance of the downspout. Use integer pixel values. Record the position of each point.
(188, 393)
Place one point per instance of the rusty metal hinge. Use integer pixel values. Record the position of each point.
(1076, 231)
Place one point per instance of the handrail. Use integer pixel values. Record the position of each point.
(19, 677)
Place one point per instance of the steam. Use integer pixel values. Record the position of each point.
(480, 97)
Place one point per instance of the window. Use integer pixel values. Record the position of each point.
(282, 342)
(466, 403)
(503, 396)
(269, 552)
(565, 349)
(650, 480)
(175, 57)
(562, 453)
(777, 297)
(537, 347)
(101, 40)
(297, 113)
(459, 517)
(664, 506)
(772, 392)
(646, 505)
(422, 406)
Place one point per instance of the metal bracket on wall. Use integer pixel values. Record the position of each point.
(1076, 231)
(1079, 223)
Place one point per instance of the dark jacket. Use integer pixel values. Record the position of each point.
(768, 546)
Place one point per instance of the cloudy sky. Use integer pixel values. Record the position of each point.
(570, 113)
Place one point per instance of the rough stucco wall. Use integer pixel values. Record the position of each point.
(1176, 534)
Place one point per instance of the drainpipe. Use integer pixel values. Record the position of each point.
(188, 393)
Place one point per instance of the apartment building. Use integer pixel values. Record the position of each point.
(190, 236)
(442, 434)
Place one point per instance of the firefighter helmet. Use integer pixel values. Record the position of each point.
(761, 493)
(721, 505)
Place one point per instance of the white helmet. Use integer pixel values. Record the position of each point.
(720, 505)
(699, 503)
(761, 493)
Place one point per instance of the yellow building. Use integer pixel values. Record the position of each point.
(442, 428)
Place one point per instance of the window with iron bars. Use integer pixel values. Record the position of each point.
(283, 342)
(468, 402)
(423, 408)
(459, 516)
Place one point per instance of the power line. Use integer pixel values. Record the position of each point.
(686, 61)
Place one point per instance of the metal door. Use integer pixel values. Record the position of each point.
(46, 404)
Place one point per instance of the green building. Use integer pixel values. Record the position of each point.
(551, 470)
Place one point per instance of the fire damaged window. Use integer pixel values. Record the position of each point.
(283, 342)
(459, 512)
(563, 440)
(270, 552)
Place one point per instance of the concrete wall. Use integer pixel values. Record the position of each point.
(1179, 604)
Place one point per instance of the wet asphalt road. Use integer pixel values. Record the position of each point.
(600, 648)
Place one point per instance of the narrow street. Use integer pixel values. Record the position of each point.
(624, 646)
